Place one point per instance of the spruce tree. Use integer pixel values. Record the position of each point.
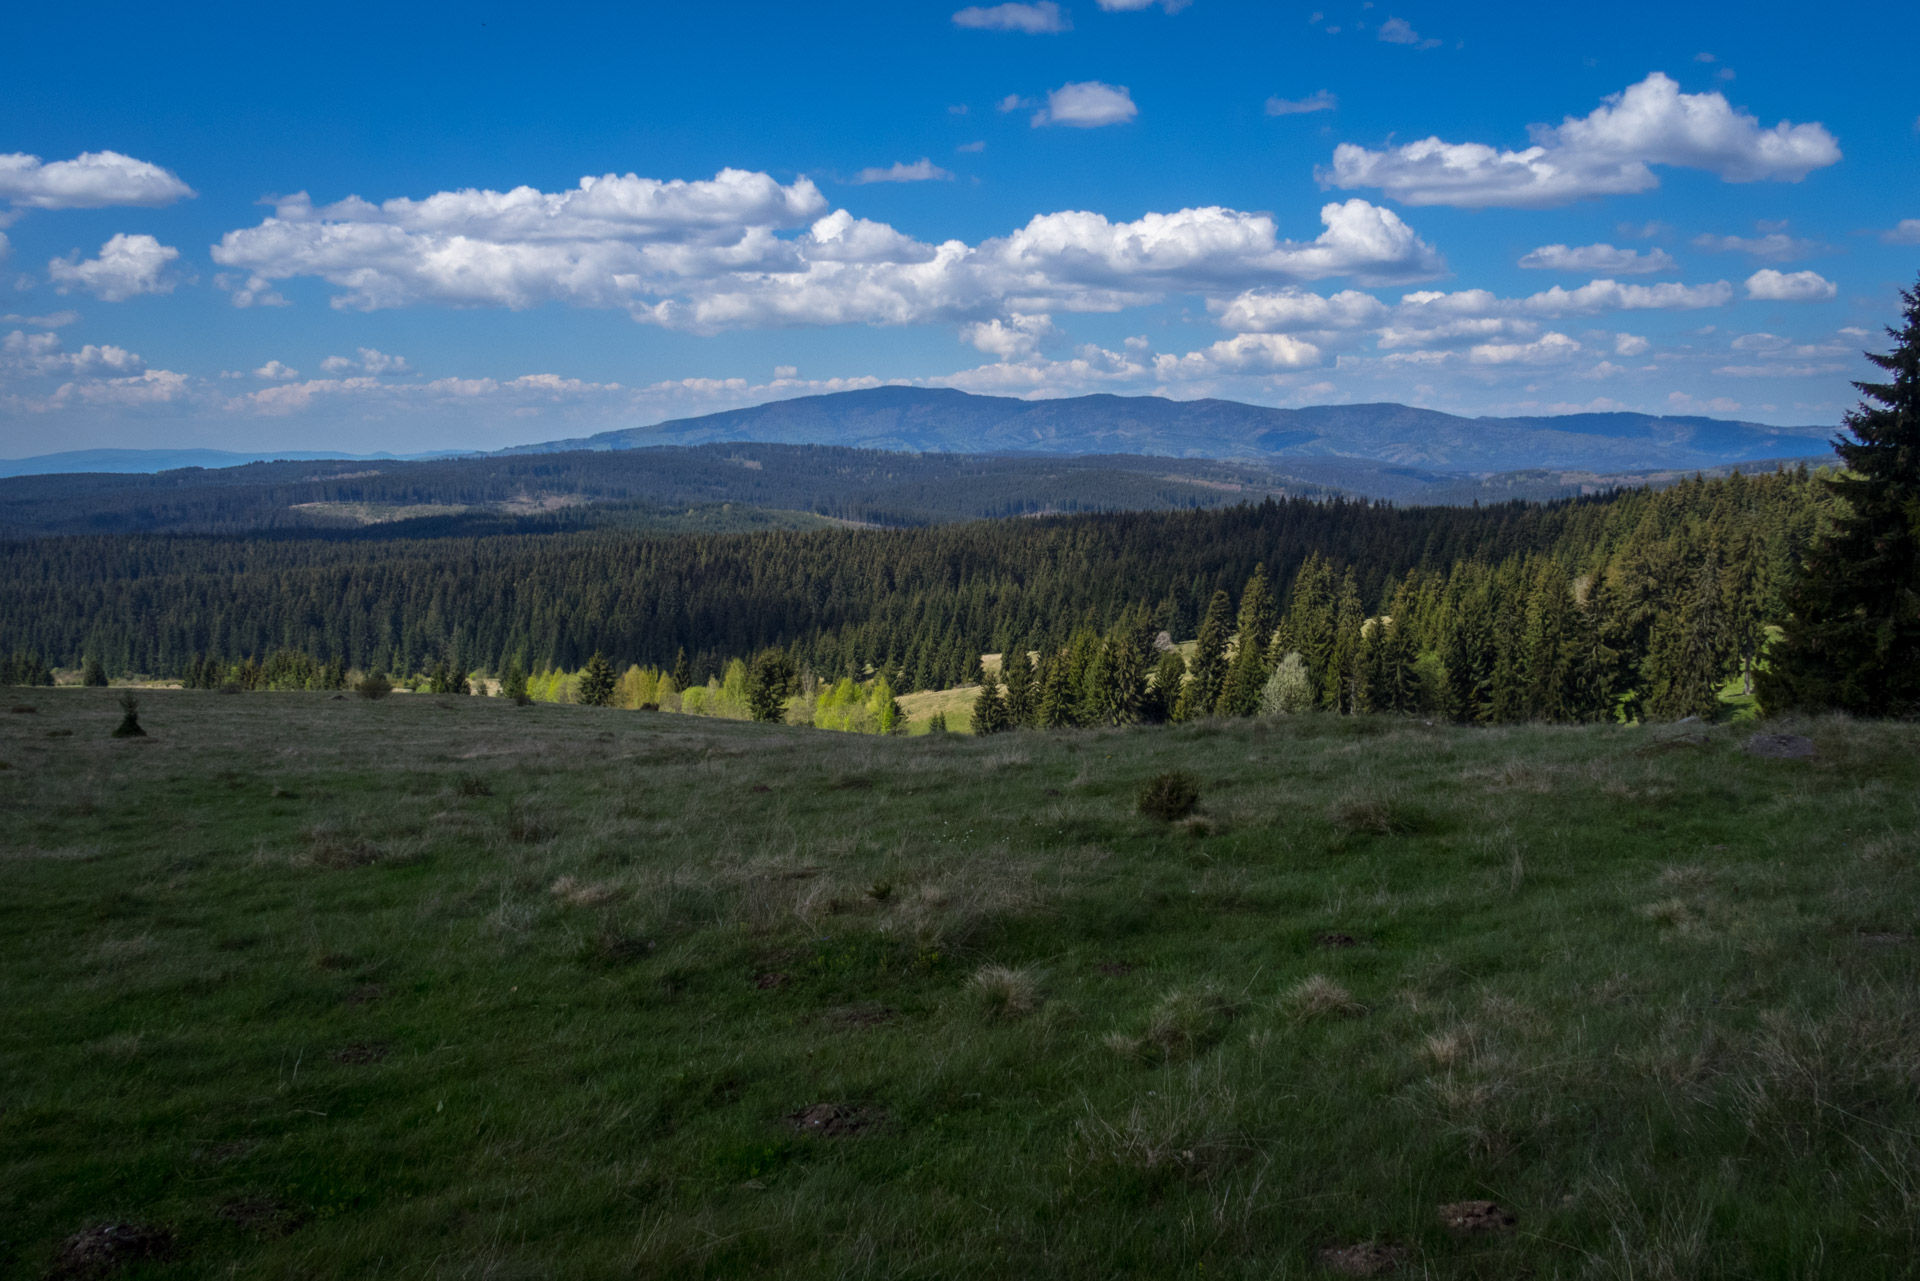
(1240, 694)
(1018, 671)
(1163, 694)
(1852, 632)
(596, 681)
(1207, 670)
(989, 711)
(772, 681)
(93, 673)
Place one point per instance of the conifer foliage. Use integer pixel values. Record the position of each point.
(1852, 636)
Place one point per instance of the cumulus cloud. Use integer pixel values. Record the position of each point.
(1610, 151)
(1087, 104)
(1298, 310)
(1320, 100)
(1044, 18)
(1130, 6)
(921, 170)
(726, 255)
(1241, 354)
(1768, 285)
(40, 355)
(1015, 338)
(1549, 349)
(1630, 345)
(274, 371)
(1907, 232)
(1775, 246)
(53, 320)
(91, 180)
(1400, 31)
(127, 267)
(1630, 262)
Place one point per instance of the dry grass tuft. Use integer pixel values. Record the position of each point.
(1363, 815)
(1319, 997)
(1673, 913)
(576, 893)
(1006, 993)
(1188, 1020)
(1169, 796)
(1686, 877)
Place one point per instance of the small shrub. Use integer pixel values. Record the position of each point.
(1170, 796)
(1006, 993)
(1319, 997)
(375, 686)
(1371, 816)
(880, 891)
(129, 718)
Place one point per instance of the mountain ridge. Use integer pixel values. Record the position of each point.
(944, 420)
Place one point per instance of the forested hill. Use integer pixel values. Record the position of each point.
(937, 419)
(1703, 559)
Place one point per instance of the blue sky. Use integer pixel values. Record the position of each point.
(363, 229)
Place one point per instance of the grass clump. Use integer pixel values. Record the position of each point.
(1006, 993)
(1185, 1022)
(1169, 796)
(1319, 997)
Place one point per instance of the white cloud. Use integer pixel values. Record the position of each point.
(1044, 18)
(972, 146)
(1682, 402)
(1594, 296)
(127, 267)
(1317, 101)
(369, 360)
(1778, 371)
(1087, 104)
(1775, 246)
(1906, 233)
(154, 387)
(1132, 6)
(53, 320)
(1399, 31)
(274, 371)
(1768, 285)
(1602, 257)
(1630, 345)
(38, 355)
(921, 170)
(1549, 349)
(91, 180)
(1298, 310)
(1016, 338)
(1607, 152)
(668, 255)
(1241, 354)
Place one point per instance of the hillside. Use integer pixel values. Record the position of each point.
(943, 420)
(338, 988)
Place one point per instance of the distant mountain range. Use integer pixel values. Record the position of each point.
(1358, 447)
(932, 420)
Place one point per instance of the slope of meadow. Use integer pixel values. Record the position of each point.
(448, 987)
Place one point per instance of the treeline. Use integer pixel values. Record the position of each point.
(1693, 570)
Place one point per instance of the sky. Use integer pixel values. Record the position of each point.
(413, 228)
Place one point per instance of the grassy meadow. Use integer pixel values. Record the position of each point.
(445, 987)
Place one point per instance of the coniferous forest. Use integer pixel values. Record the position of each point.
(1632, 603)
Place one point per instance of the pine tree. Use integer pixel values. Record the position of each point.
(1240, 693)
(1163, 694)
(989, 710)
(1207, 670)
(772, 682)
(513, 683)
(93, 673)
(1309, 626)
(1119, 679)
(682, 670)
(1055, 707)
(1689, 654)
(1018, 670)
(1852, 635)
(596, 681)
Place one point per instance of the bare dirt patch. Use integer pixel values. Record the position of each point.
(1334, 938)
(770, 980)
(1364, 1259)
(1467, 1217)
(366, 994)
(107, 1247)
(1115, 969)
(835, 1120)
(23, 710)
(361, 1052)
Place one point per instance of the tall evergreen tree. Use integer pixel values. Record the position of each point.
(772, 681)
(1163, 693)
(989, 709)
(1207, 670)
(1018, 671)
(1247, 673)
(596, 681)
(1852, 636)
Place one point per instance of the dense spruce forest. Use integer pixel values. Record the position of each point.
(1633, 601)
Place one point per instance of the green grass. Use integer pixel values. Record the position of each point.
(446, 987)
